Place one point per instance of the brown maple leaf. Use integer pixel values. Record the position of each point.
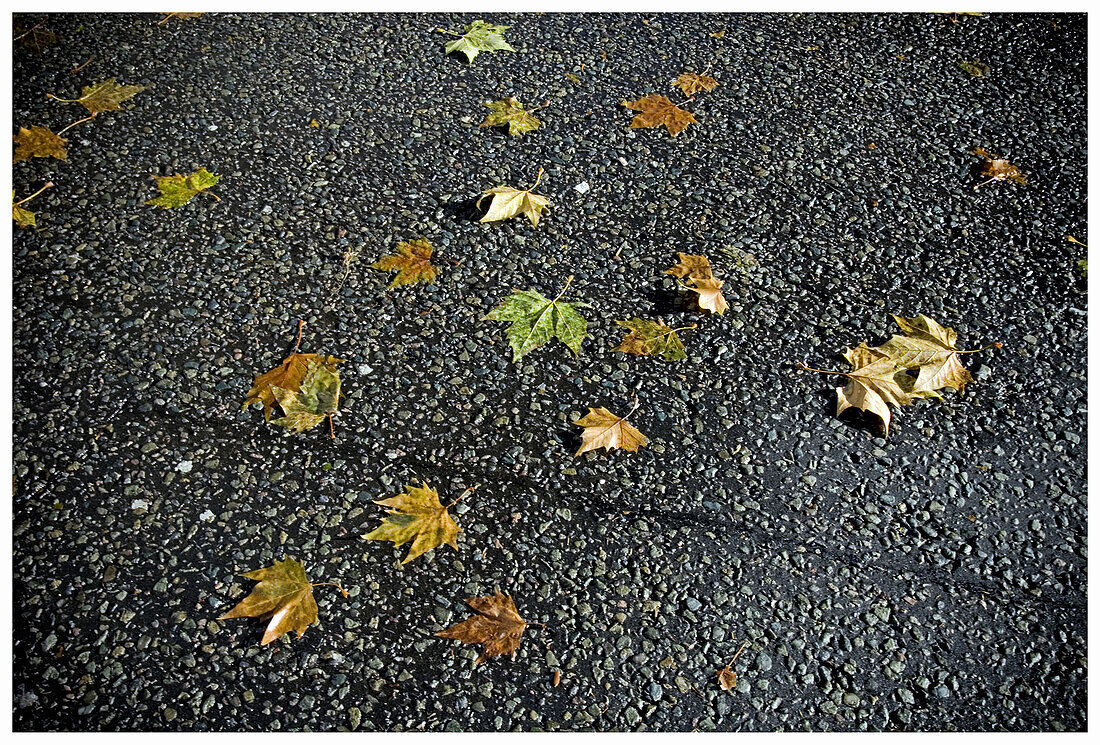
(411, 262)
(657, 110)
(284, 595)
(602, 429)
(998, 169)
(727, 678)
(498, 628)
(690, 83)
(38, 142)
(691, 265)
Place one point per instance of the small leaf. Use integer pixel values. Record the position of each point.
(710, 294)
(974, 67)
(499, 627)
(411, 262)
(651, 338)
(107, 96)
(181, 16)
(657, 111)
(284, 594)
(417, 516)
(691, 265)
(508, 202)
(178, 190)
(727, 679)
(38, 142)
(24, 218)
(536, 320)
(998, 169)
(602, 429)
(510, 112)
(690, 83)
(479, 36)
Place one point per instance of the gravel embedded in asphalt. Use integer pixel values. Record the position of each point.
(933, 580)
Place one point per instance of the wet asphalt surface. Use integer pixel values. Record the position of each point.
(933, 580)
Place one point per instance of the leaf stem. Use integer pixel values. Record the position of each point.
(632, 410)
(331, 428)
(32, 196)
(537, 180)
(804, 366)
(452, 33)
(30, 30)
(462, 496)
(991, 178)
(996, 344)
(334, 584)
(738, 654)
(568, 279)
(685, 328)
(301, 323)
(78, 121)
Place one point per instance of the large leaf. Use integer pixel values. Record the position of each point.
(284, 594)
(179, 190)
(508, 202)
(602, 429)
(38, 142)
(931, 348)
(288, 376)
(651, 338)
(536, 320)
(498, 628)
(479, 36)
(317, 397)
(417, 516)
(658, 111)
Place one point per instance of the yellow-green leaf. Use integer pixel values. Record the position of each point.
(38, 142)
(284, 594)
(510, 112)
(417, 516)
(179, 190)
(411, 262)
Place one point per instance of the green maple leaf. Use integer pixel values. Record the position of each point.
(510, 112)
(316, 398)
(178, 190)
(536, 320)
(479, 36)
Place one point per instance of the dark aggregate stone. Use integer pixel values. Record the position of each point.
(935, 580)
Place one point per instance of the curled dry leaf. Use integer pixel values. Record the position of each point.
(930, 347)
(998, 169)
(316, 399)
(602, 429)
(417, 516)
(38, 142)
(508, 202)
(411, 262)
(652, 338)
(479, 36)
(508, 112)
(697, 270)
(690, 83)
(284, 595)
(657, 111)
(499, 627)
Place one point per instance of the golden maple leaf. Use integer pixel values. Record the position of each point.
(508, 202)
(38, 142)
(657, 110)
(411, 262)
(690, 83)
(417, 516)
(652, 338)
(105, 96)
(602, 429)
(499, 627)
(998, 169)
(284, 595)
(288, 376)
(931, 348)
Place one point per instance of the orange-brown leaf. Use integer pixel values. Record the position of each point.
(411, 262)
(288, 376)
(657, 111)
(727, 679)
(691, 265)
(999, 169)
(690, 83)
(602, 429)
(498, 628)
(710, 294)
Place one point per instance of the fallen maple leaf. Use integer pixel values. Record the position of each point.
(181, 16)
(284, 594)
(536, 320)
(508, 202)
(874, 382)
(710, 294)
(691, 265)
(105, 96)
(658, 110)
(931, 348)
(25, 218)
(417, 516)
(652, 338)
(479, 36)
(316, 399)
(411, 262)
(998, 169)
(178, 190)
(602, 429)
(510, 112)
(499, 627)
(690, 83)
(974, 67)
(38, 142)
(288, 376)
